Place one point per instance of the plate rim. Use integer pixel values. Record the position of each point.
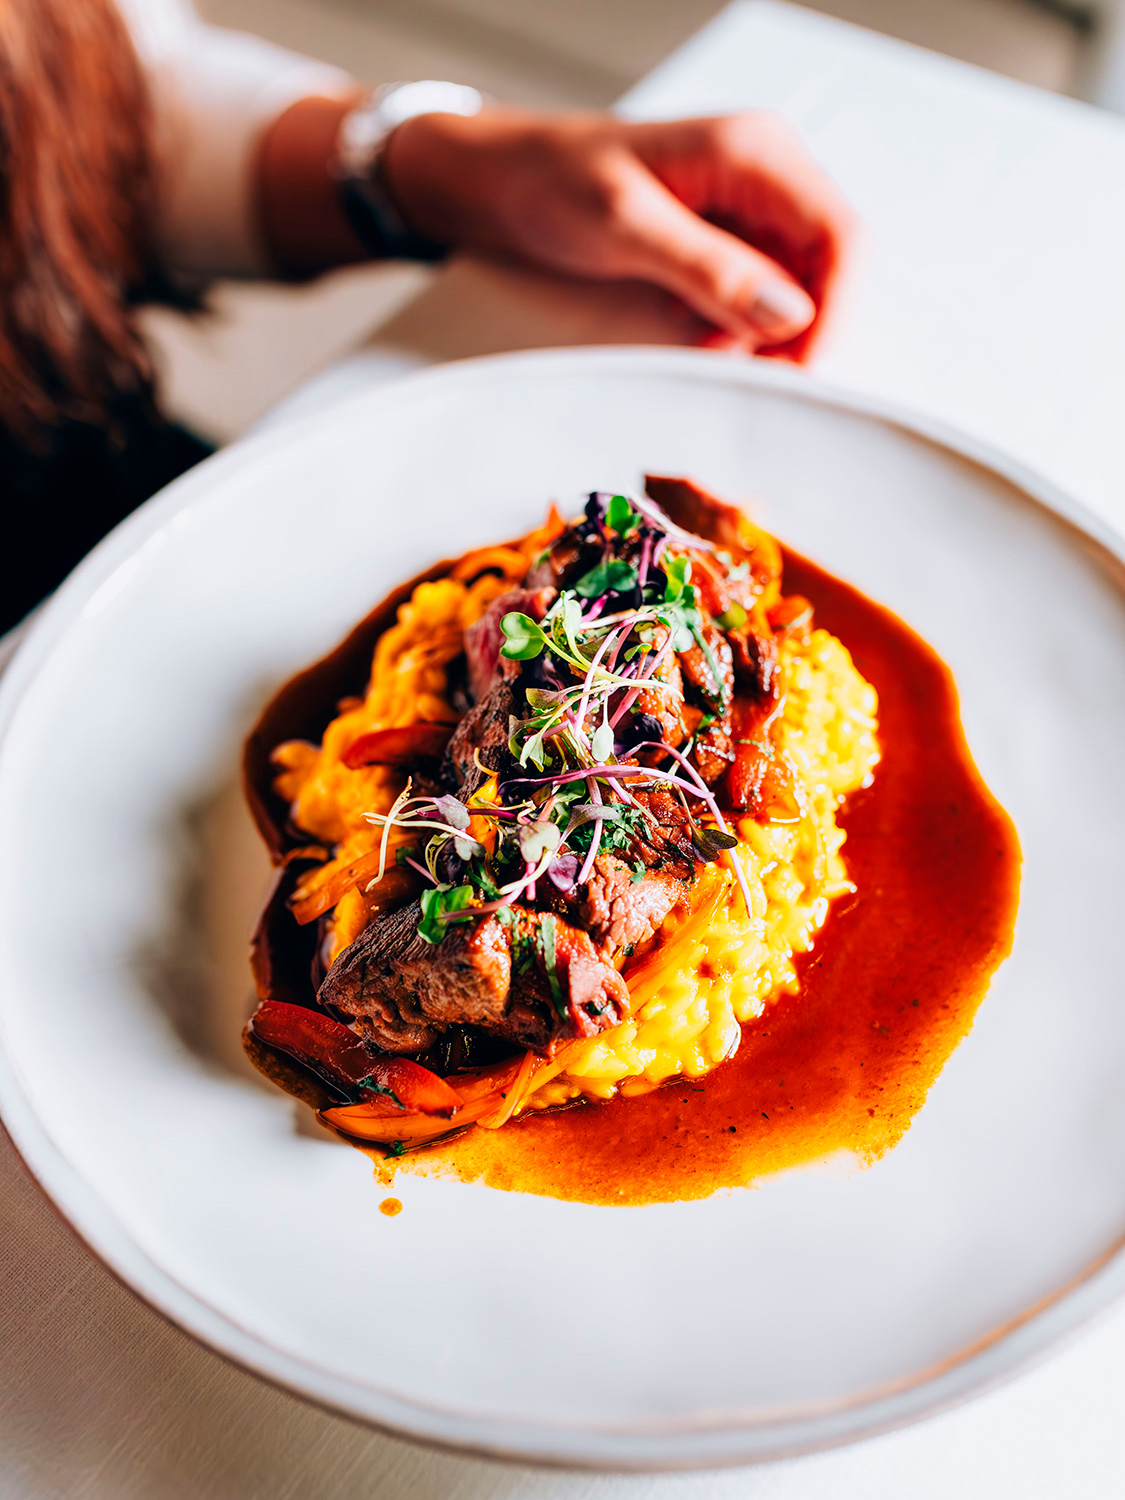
(727, 1439)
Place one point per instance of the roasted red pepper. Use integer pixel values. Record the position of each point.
(403, 747)
(333, 1050)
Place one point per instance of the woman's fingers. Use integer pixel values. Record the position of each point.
(751, 175)
(730, 215)
(728, 282)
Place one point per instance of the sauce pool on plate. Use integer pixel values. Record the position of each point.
(889, 990)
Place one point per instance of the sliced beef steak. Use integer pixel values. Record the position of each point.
(728, 527)
(481, 738)
(484, 639)
(623, 914)
(403, 992)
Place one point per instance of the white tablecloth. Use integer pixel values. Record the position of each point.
(992, 296)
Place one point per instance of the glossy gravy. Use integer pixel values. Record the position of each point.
(889, 990)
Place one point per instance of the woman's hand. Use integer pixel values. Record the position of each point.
(729, 214)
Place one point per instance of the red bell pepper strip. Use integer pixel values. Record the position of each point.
(399, 747)
(333, 1050)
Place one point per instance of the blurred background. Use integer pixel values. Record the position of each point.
(223, 371)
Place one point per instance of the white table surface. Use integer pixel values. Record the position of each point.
(992, 295)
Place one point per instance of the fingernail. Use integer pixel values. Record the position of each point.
(781, 307)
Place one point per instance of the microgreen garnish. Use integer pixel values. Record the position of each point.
(524, 640)
(579, 723)
(621, 517)
(611, 576)
(547, 941)
(437, 903)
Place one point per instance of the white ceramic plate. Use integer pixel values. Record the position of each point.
(819, 1307)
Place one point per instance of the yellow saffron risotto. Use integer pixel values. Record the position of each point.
(715, 967)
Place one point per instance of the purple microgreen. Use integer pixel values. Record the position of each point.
(454, 813)
(713, 807)
(645, 677)
(584, 701)
(414, 865)
(596, 838)
(562, 872)
(595, 512)
(710, 842)
(538, 839)
(646, 559)
(543, 699)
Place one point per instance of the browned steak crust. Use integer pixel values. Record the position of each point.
(623, 914)
(403, 992)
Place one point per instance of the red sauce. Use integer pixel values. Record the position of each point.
(889, 990)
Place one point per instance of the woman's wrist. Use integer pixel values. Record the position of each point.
(303, 222)
(365, 136)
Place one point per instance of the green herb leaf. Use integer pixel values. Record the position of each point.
(396, 1148)
(547, 944)
(677, 572)
(524, 637)
(639, 872)
(613, 575)
(621, 517)
(435, 902)
(570, 620)
(621, 826)
(484, 883)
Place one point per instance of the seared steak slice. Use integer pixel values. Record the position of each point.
(484, 639)
(494, 679)
(487, 972)
(696, 511)
(667, 838)
(664, 705)
(622, 914)
(484, 729)
(712, 749)
(755, 653)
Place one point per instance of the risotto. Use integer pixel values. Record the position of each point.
(719, 957)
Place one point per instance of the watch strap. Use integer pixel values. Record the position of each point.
(361, 143)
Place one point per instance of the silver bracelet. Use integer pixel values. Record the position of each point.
(360, 146)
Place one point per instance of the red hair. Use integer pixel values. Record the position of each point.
(76, 200)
